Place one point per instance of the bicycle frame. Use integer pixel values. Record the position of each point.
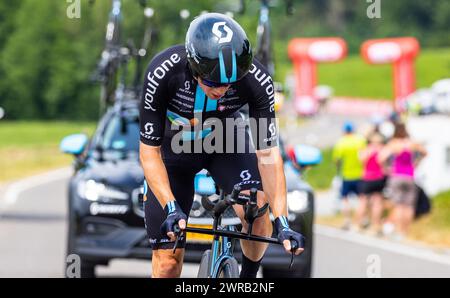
(221, 249)
(222, 246)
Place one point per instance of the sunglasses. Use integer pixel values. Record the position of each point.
(214, 84)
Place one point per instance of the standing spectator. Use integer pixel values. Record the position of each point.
(346, 157)
(401, 189)
(372, 185)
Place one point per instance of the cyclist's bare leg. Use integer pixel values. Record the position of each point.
(166, 264)
(262, 226)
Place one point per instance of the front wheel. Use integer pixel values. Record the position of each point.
(229, 269)
(203, 269)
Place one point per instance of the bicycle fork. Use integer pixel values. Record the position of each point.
(222, 249)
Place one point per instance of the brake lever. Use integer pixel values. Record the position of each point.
(294, 246)
(178, 234)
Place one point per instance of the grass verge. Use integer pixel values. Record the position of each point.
(31, 147)
(320, 176)
(434, 228)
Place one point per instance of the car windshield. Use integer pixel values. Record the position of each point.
(122, 133)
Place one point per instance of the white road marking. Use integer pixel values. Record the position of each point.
(13, 191)
(402, 249)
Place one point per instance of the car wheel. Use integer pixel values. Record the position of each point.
(70, 240)
(87, 269)
(71, 233)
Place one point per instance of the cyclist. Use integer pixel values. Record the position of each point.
(186, 88)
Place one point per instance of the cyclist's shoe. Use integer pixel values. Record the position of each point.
(285, 233)
(174, 215)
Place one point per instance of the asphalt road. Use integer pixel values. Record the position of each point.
(32, 237)
(321, 130)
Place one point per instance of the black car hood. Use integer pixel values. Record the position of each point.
(124, 174)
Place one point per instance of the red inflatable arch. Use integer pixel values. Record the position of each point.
(305, 53)
(400, 52)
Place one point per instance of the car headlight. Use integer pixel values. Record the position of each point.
(94, 191)
(297, 200)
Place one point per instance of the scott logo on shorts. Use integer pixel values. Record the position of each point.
(245, 175)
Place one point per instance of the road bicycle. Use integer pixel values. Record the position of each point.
(116, 56)
(263, 49)
(219, 262)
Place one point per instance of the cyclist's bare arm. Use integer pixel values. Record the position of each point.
(155, 173)
(157, 179)
(270, 165)
(265, 139)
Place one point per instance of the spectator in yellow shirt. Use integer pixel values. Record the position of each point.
(350, 168)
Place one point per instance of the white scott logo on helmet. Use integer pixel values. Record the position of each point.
(245, 175)
(148, 128)
(229, 33)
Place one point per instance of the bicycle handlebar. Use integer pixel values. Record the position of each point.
(232, 234)
(251, 213)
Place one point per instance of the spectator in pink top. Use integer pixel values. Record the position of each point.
(372, 185)
(401, 151)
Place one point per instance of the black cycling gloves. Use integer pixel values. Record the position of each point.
(285, 233)
(174, 214)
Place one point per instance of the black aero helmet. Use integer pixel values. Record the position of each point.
(218, 49)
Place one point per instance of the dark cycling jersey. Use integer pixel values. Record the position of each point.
(170, 92)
